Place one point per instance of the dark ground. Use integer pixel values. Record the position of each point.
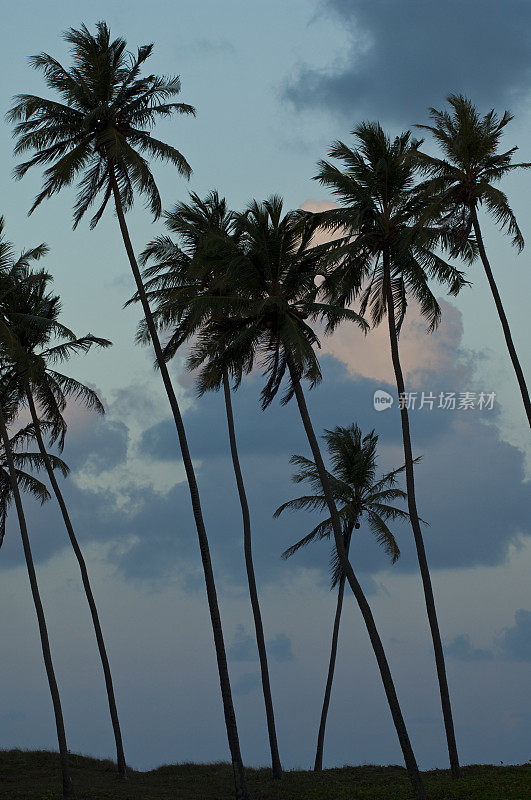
(35, 776)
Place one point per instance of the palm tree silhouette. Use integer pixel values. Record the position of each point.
(357, 494)
(463, 181)
(171, 286)
(34, 378)
(9, 349)
(382, 253)
(99, 134)
(272, 269)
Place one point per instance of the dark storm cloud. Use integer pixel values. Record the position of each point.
(471, 485)
(406, 56)
(471, 489)
(339, 400)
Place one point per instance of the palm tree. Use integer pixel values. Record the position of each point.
(33, 314)
(272, 270)
(171, 283)
(7, 405)
(383, 253)
(23, 460)
(357, 493)
(463, 181)
(99, 133)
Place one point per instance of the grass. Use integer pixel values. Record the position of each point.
(34, 775)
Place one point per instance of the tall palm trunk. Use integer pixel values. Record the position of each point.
(255, 605)
(68, 790)
(385, 672)
(242, 792)
(120, 758)
(501, 313)
(318, 766)
(417, 533)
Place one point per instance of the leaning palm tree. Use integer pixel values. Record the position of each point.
(264, 313)
(68, 791)
(8, 347)
(463, 181)
(383, 253)
(98, 131)
(33, 313)
(357, 494)
(171, 285)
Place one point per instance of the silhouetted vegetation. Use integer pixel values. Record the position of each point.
(236, 291)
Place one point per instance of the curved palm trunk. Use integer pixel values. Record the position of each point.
(242, 792)
(318, 766)
(385, 672)
(120, 758)
(417, 533)
(255, 605)
(68, 790)
(501, 313)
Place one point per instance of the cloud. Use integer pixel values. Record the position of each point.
(98, 445)
(420, 352)
(246, 684)
(461, 649)
(516, 641)
(404, 57)
(513, 644)
(475, 512)
(243, 646)
(280, 648)
(470, 483)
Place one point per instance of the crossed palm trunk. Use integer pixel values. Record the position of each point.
(120, 758)
(257, 616)
(68, 790)
(318, 766)
(242, 792)
(417, 533)
(387, 680)
(501, 313)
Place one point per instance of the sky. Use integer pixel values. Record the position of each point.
(274, 84)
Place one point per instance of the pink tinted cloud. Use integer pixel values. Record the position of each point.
(369, 356)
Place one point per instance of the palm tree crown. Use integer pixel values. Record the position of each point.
(266, 301)
(24, 460)
(357, 492)
(32, 314)
(98, 129)
(472, 164)
(380, 212)
(464, 180)
(179, 289)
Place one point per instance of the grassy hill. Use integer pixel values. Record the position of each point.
(35, 775)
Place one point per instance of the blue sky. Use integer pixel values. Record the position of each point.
(274, 83)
